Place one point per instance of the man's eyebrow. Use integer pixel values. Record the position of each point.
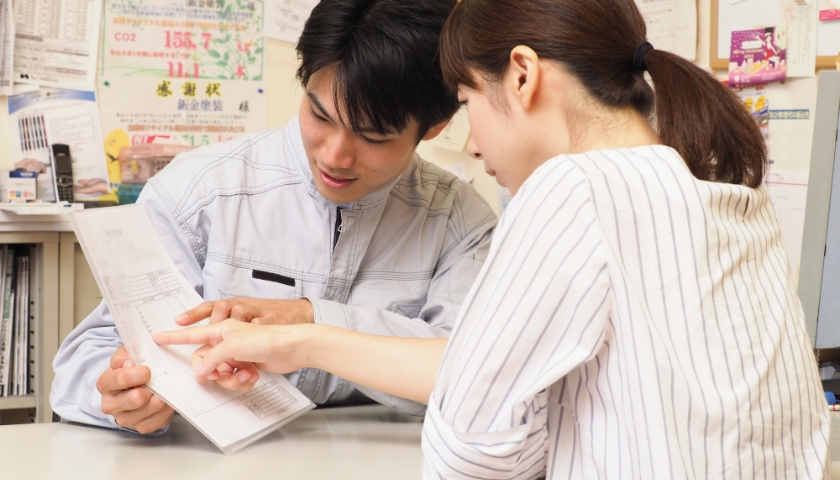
(365, 129)
(317, 103)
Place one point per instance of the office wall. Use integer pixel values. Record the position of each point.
(283, 96)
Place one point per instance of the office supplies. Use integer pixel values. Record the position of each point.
(18, 186)
(145, 297)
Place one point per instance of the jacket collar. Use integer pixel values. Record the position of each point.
(301, 161)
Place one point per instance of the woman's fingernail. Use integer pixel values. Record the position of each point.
(244, 377)
(182, 317)
(128, 364)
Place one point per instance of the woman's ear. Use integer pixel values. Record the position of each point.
(523, 77)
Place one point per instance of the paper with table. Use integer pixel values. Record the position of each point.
(145, 291)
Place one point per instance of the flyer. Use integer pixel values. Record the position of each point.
(39, 119)
(758, 56)
(55, 42)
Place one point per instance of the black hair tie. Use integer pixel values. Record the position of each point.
(639, 57)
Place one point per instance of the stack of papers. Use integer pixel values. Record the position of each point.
(144, 292)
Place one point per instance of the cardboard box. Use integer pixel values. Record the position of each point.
(18, 186)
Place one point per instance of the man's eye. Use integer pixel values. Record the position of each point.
(318, 117)
(373, 142)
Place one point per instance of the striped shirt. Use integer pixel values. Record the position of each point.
(630, 322)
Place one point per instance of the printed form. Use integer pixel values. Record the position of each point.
(144, 291)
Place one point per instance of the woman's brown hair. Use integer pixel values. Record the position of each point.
(596, 41)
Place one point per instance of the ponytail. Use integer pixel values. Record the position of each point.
(597, 41)
(705, 122)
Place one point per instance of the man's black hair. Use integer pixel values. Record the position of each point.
(385, 54)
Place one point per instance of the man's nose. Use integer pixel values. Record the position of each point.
(338, 151)
(472, 149)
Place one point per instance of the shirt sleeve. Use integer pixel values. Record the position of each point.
(447, 291)
(538, 310)
(86, 353)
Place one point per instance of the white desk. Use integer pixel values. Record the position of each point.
(365, 442)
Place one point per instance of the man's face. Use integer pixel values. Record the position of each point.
(347, 166)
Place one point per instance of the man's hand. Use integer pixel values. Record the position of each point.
(127, 400)
(251, 310)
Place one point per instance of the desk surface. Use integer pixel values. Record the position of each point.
(365, 442)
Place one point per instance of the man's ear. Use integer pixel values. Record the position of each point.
(435, 130)
(523, 77)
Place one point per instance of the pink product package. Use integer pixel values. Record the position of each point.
(139, 163)
(757, 56)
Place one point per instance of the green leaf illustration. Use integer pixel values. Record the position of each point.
(214, 54)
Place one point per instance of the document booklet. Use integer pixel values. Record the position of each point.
(144, 292)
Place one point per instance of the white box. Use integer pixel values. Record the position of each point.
(18, 186)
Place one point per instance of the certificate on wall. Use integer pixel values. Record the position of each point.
(186, 72)
(181, 111)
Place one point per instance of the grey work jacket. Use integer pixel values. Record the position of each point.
(402, 266)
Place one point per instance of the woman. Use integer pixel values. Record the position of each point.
(635, 317)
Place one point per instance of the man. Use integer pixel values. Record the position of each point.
(333, 216)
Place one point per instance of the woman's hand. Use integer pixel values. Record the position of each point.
(234, 351)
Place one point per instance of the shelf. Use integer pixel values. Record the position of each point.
(20, 401)
(41, 208)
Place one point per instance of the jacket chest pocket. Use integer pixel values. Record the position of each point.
(226, 281)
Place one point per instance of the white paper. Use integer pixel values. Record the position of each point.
(7, 49)
(802, 19)
(284, 19)
(56, 42)
(671, 25)
(144, 297)
(456, 133)
(788, 192)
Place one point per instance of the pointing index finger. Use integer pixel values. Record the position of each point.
(201, 335)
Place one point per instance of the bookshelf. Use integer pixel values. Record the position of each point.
(50, 284)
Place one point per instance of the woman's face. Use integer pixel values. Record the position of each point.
(492, 139)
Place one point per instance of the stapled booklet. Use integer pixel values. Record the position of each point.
(144, 291)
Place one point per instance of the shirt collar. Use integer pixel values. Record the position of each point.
(302, 162)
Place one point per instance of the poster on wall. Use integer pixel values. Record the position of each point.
(188, 72)
(39, 119)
